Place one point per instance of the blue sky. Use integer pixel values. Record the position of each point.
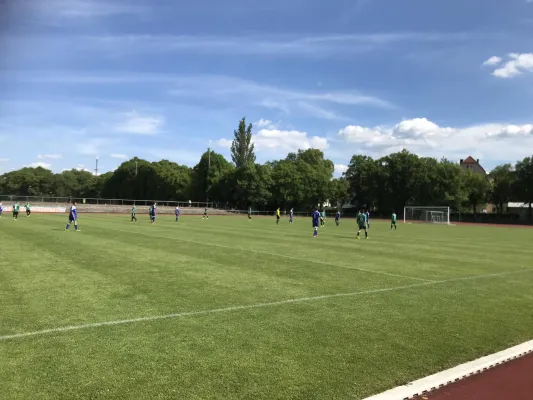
(164, 79)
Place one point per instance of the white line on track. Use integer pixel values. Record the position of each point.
(243, 307)
(371, 271)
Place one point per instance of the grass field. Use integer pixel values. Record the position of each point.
(249, 310)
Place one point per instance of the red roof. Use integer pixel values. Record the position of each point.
(469, 160)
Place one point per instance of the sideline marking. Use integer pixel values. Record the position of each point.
(243, 307)
(449, 376)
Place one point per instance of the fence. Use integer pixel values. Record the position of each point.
(94, 201)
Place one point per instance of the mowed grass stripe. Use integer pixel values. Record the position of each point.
(436, 264)
(250, 306)
(262, 252)
(96, 269)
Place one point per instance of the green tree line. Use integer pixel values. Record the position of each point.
(301, 180)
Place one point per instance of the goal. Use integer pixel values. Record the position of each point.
(432, 215)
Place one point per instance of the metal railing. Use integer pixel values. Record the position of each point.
(117, 202)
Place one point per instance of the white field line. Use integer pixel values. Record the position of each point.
(451, 375)
(276, 255)
(244, 307)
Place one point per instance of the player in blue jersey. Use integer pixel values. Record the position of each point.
(367, 215)
(72, 217)
(177, 213)
(338, 218)
(1, 210)
(152, 212)
(316, 221)
(291, 215)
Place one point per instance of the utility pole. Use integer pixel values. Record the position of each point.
(208, 170)
(96, 169)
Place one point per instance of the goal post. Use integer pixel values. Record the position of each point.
(431, 215)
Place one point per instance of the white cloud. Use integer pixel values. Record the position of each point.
(135, 123)
(421, 136)
(49, 156)
(93, 146)
(83, 8)
(38, 164)
(340, 169)
(119, 156)
(494, 60)
(275, 140)
(517, 64)
(263, 123)
(224, 143)
(286, 45)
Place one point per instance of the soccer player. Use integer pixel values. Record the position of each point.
(338, 218)
(205, 214)
(153, 212)
(278, 216)
(250, 213)
(291, 215)
(367, 215)
(16, 210)
(28, 209)
(133, 213)
(1, 209)
(323, 218)
(72, 217)
(361, 221)
(316, 218)
(177, 213)
(393, 221)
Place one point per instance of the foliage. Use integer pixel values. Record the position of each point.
(242, 148)
(477, 188)
(503, 180)
(302, 180)
(524, 183)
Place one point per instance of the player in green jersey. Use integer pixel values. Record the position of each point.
(28, 209)
(205, 214)
(16, 211)
(361, 221)
(323, 218)
(133, 213)
(393, 221)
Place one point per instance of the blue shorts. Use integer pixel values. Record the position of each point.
(72, 218)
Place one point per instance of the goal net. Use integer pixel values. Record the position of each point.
(432, 215)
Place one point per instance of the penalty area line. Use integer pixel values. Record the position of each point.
(243, 307)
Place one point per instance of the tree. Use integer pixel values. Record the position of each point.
(207, 176)
(503, 183)
(363, 176)
(477, 188)
(339, 192)
(524, 183)
(252, 185)
(242, 148)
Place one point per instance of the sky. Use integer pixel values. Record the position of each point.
(113, 79)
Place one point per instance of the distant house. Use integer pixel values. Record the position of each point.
(473, 165)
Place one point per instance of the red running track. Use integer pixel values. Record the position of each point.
(508, 381)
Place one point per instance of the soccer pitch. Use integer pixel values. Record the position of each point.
(238, 309)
